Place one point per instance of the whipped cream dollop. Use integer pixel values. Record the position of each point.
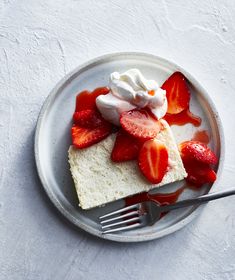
(128, 91)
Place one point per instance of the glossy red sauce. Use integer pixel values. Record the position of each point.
(183, 118)
(202, 136)
(87, 100)
(161, 198)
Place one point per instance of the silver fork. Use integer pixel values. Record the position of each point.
(147, 213)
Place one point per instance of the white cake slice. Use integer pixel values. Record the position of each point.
(98, 180)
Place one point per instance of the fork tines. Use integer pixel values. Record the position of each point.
(121, 219)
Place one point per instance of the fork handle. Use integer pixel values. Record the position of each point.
(197, 201)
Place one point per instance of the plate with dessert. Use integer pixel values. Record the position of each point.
(122, 128)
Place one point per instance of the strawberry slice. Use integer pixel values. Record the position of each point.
(153, 160)
(140, 124)
(177, 93)
(86, 100)
(199, 174)
(88, 119)
(85, 137)
(197, 151)
(126, 147)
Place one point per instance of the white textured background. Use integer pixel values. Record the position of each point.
(40, 41)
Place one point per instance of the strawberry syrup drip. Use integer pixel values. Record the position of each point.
(202, 136)
(183, 118)
(160, 198)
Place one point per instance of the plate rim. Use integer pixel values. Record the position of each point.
(56, 202)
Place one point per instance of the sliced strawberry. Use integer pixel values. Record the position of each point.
(177, 93)
(88, 119)
(153, 160)
(85, 137)
(199, 174)
(86, 100)
(140, 124)
(197, 151)
(126, 147)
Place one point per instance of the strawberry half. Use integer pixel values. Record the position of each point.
(84, 137)
(88, 119)
(153, 160)
(199, 174)
(197, 151)
(86, 100)
(177, 93)
(140, 124)
(126, 147)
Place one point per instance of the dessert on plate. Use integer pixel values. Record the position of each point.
(122, 143)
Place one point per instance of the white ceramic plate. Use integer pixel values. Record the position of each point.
(52, 141)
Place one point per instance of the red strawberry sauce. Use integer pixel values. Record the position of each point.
(161, 198)
(183, 118)
(202, 136)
